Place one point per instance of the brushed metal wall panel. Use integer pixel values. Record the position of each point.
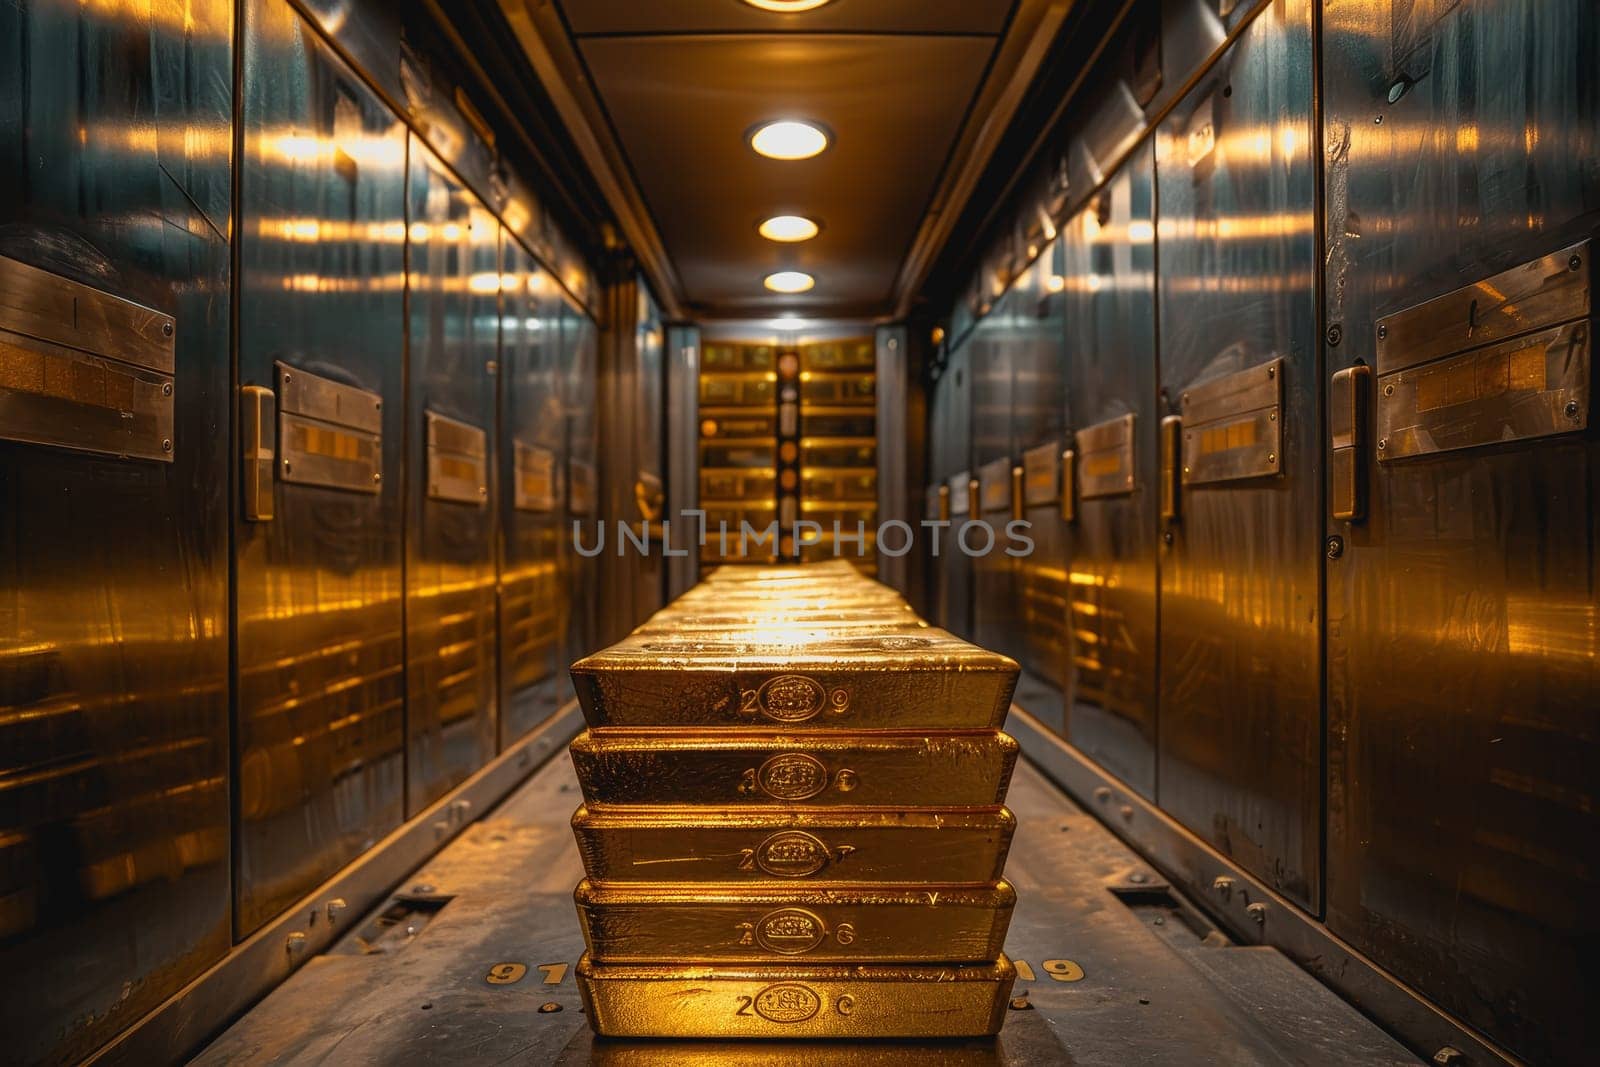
(1108, 278)
(1463, 648)
(114, 830)
(453, 286)
(579, 370)
(320, 726)
(1240, 741)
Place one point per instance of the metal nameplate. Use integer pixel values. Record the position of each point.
(458, 464)
(534, 484)
(1105, 458)
(581, 485)
(959, 486)
(303, 393)
(1041, 474)
(329, 433)
(1537, 295)
(1233, 426)
(994, 485)
(47, 307)
(82, 369)
(51, 395)
(1532, 386)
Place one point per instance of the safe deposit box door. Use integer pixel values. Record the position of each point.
(1113, 478)
(450, 566)
(993, 587)
(1463, 645)
(533, 600)
(321, 688)
(1240, 618)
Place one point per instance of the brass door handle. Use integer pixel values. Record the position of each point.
(258, 438)
(1171, 456)
(1069, 485)
(974, 500)
(1016, 494)
(1348, 404)
(944, 503)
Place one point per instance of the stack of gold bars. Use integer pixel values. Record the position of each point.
(793, 822)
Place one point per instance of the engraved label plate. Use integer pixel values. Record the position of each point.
(458, 465)
(1532, 386)
(83, 369)
(959, 486)
(1233, 426)
(994, 485)
(1534, 296)
(1105, 458)
(534, 478)
(1041, 474)
(580, 486)
(329, 433)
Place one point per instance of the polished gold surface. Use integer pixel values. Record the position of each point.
(773, 923)
(687, 844)
(929, 679)
(795, 1001)
(768, 769)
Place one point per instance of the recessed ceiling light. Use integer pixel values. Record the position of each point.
(789, 281)
(789, 139)
(789, 228)
(788, 7)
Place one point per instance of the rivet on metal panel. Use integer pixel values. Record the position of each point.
(1102, 794)
(1021, 1004)
(1383, 331)
(422, 888)
(295, 944)
(377, 479)
(1272, 457)
(1335, 335)
(166, 444)
(1272, 372)
(1335, 547)
(1575, 262)
(1138, 878)
(1126, 811)
(167, 327)
(287, 468)
(1258, 912)
(1222, 884)
(549, 1007)
(1383, 444)
(166, 389)
(1447, 1055)
(1388, 390)
(335, 907)
(1572, 410)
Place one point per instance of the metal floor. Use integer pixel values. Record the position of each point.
(1122, 972)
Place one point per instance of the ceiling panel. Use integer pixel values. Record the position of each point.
(682, 106)
(859, 16)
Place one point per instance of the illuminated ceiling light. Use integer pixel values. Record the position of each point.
(789, 281)
(789, 324)
(789, 139)
(788, 7)
(788, 228)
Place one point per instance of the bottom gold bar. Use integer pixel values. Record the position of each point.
(785, 1001)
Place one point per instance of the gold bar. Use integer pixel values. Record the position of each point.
(764, 769)
(772, 923)
(929, 679)
(788, 1001)
(686, 844)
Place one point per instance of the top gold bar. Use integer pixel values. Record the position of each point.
(803, 674)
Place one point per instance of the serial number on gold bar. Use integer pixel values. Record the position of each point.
(688, 844)
(859, 924)
(787, 1001)
(865, 770)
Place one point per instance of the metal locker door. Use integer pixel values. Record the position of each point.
(1240, 752)
(993, 590)
(453, 285)
(1039, 613)
(114, 836)
(955, 435)
(1463, 649)
(320, 684)
(1109, 278)
(579, 337)
(531, 459)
